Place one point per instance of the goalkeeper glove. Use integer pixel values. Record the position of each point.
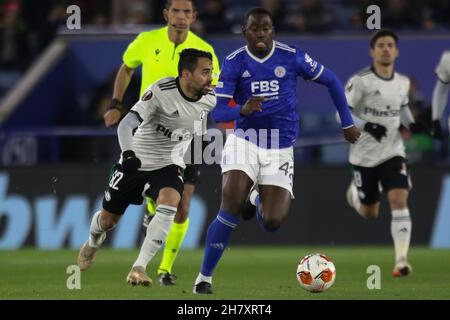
(130, 163)
(375, 130)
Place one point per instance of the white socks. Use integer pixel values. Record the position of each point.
(401, 232)
(201, 278)
(96, 233)
(157, 232)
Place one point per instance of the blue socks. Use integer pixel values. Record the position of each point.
(217, 238)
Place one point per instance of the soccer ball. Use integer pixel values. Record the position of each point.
(316, 272)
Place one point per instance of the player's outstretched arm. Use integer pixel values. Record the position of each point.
(223, 113)
(359, 123)
(329, 79)
(115, 111)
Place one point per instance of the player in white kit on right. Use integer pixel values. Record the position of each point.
(440, 93)
(378, 97)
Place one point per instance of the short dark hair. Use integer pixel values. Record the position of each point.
(189, 58)
(383, 33)
(256, 11)
(169, 3)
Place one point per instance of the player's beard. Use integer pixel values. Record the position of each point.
(206, 89)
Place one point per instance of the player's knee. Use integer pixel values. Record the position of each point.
(108, 222)
(169, 197)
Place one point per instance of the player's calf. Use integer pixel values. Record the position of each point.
(369, 212)
(272, 206)
(270, 224)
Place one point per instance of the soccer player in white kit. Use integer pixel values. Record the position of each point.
(440, 93)
(378, 97)
(154, 137)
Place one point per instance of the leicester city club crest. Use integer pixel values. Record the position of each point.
(280, 72)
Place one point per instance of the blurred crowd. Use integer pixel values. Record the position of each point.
(28, 26)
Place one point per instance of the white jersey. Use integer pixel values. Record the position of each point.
(169, 120)
(377, 100)
(443, 68)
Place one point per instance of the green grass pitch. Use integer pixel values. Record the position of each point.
(244, 273)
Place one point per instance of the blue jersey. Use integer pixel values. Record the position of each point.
(274, 77)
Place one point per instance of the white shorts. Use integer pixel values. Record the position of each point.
(273, 167)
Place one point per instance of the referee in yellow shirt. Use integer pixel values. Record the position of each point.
(157, 52)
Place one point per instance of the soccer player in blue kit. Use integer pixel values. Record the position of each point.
(262, 79)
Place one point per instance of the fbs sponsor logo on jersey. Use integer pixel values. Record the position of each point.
(180, 134)
(382, 113)
(267, 89)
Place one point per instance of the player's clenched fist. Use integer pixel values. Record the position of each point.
(130, 163)
(114, 113)
(253, 104)
(352, 134)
